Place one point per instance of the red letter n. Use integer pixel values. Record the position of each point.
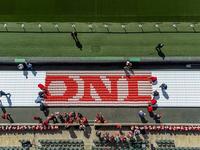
(100, 88)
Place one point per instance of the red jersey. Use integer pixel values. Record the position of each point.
(46, 122)
(153, 101)
(150, 109)
(84, 120)
(153, 79)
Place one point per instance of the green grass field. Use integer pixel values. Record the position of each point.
(99, 10)
(98, 44)
(30, 42)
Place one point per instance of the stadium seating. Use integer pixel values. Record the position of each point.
(170, 145)
(165, 143)
(140, 145)
(70, 144)
(11, 148)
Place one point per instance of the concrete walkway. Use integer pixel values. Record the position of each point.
(112, 114)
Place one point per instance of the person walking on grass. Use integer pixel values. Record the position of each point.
(159, 50)
(159, 46)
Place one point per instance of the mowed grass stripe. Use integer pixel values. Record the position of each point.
(97, 45)
(99, 10)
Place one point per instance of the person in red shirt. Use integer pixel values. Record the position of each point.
(153, 79)
(41, 86)
(99, 118)
(153, 101)
(37, 119)
(7, 116)
(150, 109)
(84, 121)
(45, 122)
(119, 127)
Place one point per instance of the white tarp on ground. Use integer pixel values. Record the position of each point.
(23, 90)
(183, 88)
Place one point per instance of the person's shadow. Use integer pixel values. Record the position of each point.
(160, 53)
(11, 119)
(72, 133)
(157, 120)
(4, 111)
(25, 73)
(8, 97)
(46, 111)
(165, 94)
(34, 72)
(77, 41)
(127, 73)
(156, 97)
(143, 120)
(151, 114)
(3, 108)
(79, 45)
(87, 131)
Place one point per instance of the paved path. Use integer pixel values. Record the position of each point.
(113, 114)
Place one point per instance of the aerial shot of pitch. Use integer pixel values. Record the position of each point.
(99, 75)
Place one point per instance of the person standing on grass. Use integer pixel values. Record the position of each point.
(159, 46)
(159, 51)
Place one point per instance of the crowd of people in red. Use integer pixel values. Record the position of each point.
(68, 119)
(65, 118)
(100, 118)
